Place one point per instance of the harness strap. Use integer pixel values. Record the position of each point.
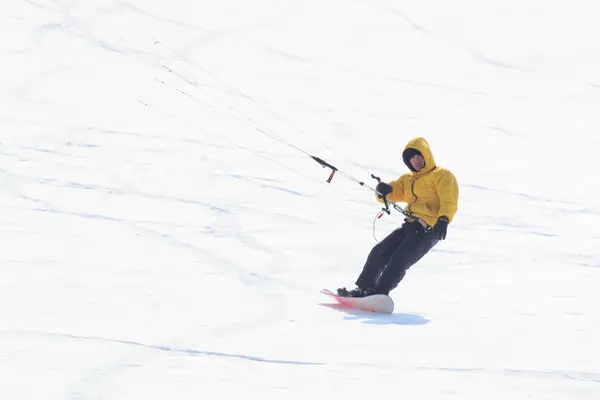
(419, 220)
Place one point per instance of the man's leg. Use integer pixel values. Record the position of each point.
(378, 258)
(417, 244)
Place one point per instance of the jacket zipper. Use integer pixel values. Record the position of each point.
(412, 188)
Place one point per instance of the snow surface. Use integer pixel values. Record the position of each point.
(164, 234)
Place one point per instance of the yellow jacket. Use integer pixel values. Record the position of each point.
(429, 193)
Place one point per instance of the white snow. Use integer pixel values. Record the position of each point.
(164, 234)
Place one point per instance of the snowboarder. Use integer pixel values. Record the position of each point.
(431, 193)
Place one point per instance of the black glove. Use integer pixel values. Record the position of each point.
(440, 228)
(383, 189)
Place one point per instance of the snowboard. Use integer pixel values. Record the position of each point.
(377, 303)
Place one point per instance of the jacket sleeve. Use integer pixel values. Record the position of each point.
(447, 191)
(397, 195)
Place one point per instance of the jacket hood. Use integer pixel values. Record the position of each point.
(421, 145)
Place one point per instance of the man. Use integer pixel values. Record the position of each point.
(431, 193)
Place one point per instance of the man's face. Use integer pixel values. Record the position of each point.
(418, 162)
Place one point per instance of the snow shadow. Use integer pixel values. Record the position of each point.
(378, 319)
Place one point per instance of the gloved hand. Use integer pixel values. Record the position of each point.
(440, 228)
(383, 189)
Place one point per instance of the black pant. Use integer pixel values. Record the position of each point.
(388, 261)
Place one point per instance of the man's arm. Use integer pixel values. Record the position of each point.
(397, 194)
(447, 191)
